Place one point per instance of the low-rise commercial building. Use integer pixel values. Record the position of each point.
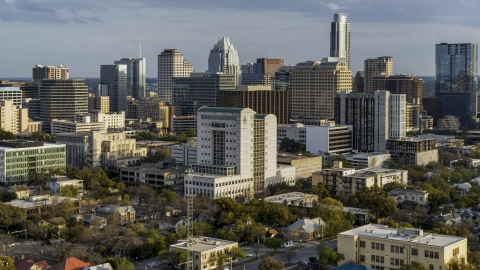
(347, 181)
(449, 122)
(36, 205)
(297, 132)
(18, 158)
(67, 126)
(304, 166)
(413, 151)
(186, 153)
(389, 248)
(113, 120)
(156, 176)
(180, 124)
(205, 250)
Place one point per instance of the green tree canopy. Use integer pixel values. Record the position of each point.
(375, 199)
(269, 263)
(328, 255)
(7, 135)
(413, 266)
(7, 263)
(11, 215)
(273, 243)
(68, 191)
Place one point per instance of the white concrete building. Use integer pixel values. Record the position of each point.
(66, 126)
(113, 120)
(185, 153)
(57, 182)
(236, 153)
(297, 132)
(329, 138)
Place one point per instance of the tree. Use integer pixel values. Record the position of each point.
(269, 263)
(390, 164)
(6, 263)
(331, 211)
(456, 263)
(375, 199)
(474, 258)
(235, 253)
(273, 243)
(11, 215)
(124, 264)
(227, 235)
(221, 259)
(8, 196)
(328, 255)
(413, 266)
(289, 145)
(175, 256)
(289, 254)
(68, 191)
(7, 135)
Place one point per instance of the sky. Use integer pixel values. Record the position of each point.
(84, 34)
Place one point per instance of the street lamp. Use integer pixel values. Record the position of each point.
(248, 230)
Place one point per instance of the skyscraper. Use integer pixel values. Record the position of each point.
(340, 37)
(456, 79)
(400, 84)
(62, 99)
(40, 72)
(224, 58)
(115, 76)
(171, 64)
(136, 78)
(313, 88)
(375, 66)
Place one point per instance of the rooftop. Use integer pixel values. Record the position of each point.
(403, 235)
(14, 145)
(291, 196)
(403, 190)
(220, 109)
(201, 244)
(37, 203)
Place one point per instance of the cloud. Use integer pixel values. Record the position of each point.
(331, 6)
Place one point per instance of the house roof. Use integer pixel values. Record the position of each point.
(119, 209)
(351, 266)
(306, 225)
(23, 265)
(17, 188)
(91, 218)
(71, 263)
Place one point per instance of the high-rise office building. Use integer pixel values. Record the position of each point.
(136, 76)
(359, 82)
(115, 76)
(313, 88)
(62, 99)
(340, 37)
(200, 89)
(283, 78)
(171, 65)
(224, 58)
(375, 66)
(409, 85)
(13, 118)
(236, 154)
(375, 117)
(11, 93)
(258, 98)
(28, 89)
(456, 82)
(269, 65)
(40, 72)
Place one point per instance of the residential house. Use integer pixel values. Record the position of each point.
(93, 221)
(122, 214)
(468, 215)
(172, 223)
(103, 266)
(56, 182)
(305, 229)
(362, 216)
(144, 215)
(451, 218)
(409, 197)
(71, 263)
(22, 191)
(26, 265)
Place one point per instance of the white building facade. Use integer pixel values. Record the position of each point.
(236, 153)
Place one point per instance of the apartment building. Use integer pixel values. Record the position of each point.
(170, 64)
(98, 103)
(413, 151)
(386, 248)
(376, 66)
(40, 72)
(410, 197)
(347, 181)
(13, 118)
(205, 250)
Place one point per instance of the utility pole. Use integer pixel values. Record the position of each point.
(189, 197)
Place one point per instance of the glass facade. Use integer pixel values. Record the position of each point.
(340, 37)
(456, 80)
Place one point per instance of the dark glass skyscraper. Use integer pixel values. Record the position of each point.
(136, 80)
(456, 80)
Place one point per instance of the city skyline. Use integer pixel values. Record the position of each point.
(83, 35)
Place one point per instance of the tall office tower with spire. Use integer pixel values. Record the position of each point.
(171, 64)
(456, 82)
(224, 58)
(136, 76)
(380, 65)
(115, 77)
(340, 37)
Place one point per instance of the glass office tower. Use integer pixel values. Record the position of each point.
(340, 37)
(456, 80)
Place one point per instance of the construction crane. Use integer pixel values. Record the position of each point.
(189, 197)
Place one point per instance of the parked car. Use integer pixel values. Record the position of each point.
(153, 264)
(249, 255)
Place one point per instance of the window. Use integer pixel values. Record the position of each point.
(373, 245)
(415, 251)
(362, 258)
(377, 246)
(382, 247)
(362, 244)
(430, 267)
(373, 258)
(456, 251)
